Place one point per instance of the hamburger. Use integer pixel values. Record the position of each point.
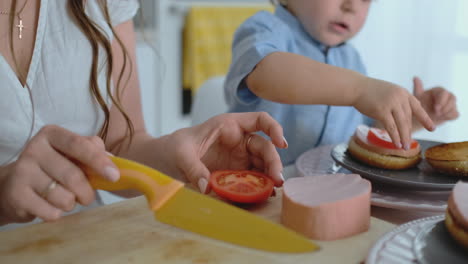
(456, 215)
(373, 146)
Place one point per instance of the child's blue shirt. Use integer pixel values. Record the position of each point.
(305, 126)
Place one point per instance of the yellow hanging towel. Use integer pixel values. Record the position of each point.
(208, 36)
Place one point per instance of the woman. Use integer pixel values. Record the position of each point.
(70, 93)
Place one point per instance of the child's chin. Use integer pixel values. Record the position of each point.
(332, 41)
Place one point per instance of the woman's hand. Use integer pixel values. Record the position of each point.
(440, 104)
(394, 107)
(227, 142)
(46, 180)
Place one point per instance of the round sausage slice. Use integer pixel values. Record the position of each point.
(327, 207)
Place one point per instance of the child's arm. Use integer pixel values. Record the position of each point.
(294, 79)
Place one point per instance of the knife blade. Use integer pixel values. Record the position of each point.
(179, 206)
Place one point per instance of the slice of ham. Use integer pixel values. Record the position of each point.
(327, 207)
(458, 204)
(360, 136)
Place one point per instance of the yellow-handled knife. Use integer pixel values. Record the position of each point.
(181, 207)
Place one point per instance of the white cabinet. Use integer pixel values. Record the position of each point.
(161, 70)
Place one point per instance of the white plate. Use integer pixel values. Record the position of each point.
(435, 245)
(411, 200)
(318, 161)
(397, 245)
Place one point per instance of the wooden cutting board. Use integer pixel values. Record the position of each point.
(127, 232)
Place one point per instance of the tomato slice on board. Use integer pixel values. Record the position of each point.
(381, 138)
(241, 186)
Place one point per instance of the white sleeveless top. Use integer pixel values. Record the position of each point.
(58, 77)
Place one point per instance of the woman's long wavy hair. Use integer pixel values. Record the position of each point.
(97, 39)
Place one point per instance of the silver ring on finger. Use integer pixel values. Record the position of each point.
(52, 185)
(247, 144)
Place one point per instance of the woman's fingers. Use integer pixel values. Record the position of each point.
(261, 121)
(36, 205)
(69, 175)
(54, 192)
(214, 142)
(97, 141)
(50, 190)
(47, 179)
(82, 150)
(194, 170)
(257, 163)
(61, 198)
(263, 149)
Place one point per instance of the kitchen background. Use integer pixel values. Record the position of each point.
(401, 39)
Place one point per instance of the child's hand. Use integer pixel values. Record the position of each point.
(439, 103)
(393, 107)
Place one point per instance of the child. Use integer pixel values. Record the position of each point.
(297, 66)
(60, 111)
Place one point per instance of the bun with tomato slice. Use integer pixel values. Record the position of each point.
(456, 216)
(451, 158)
(374, 147)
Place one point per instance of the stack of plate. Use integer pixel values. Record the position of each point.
(420, 189)
(417, 189)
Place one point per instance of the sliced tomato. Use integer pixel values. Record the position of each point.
(381, 138)
(241, 186)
